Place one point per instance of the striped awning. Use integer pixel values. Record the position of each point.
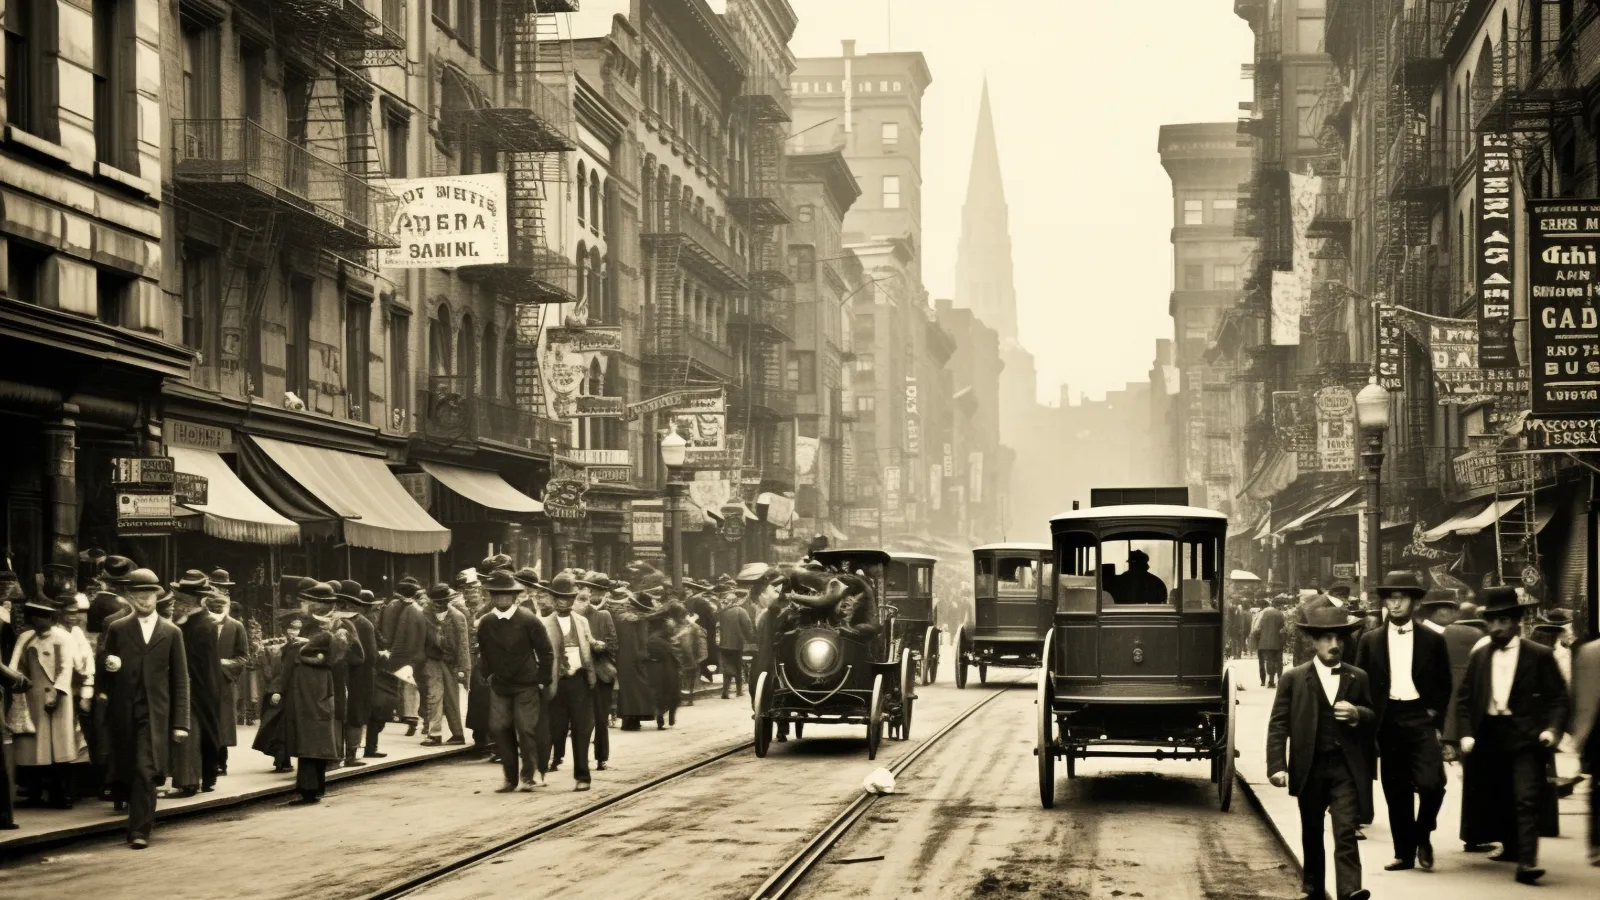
(483, 487)
(232, 511)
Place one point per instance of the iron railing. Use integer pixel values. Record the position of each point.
(450, 410)
(678, 219)
(516, 114)
(533, 274)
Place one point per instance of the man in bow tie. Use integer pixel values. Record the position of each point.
(1410, 671)
(1323, 714)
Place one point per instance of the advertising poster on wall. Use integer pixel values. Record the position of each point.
(1563, 315)
(913, 419)
(702, 421)
(1389, 357)
(1336, 425)
(1288, 305)
(441, 223)
(1496, 263)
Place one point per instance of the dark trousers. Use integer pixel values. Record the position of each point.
(311, 777)
(1330, 789)
(222, 759)
(514, 728)
(140, 792)
(374, 727)
(1516, 764)
(1271, 664)
(731, 662)
(210, 760)
(352, 741)
(573, 709)
(1412, 765)
(603, 693)
(6, 815)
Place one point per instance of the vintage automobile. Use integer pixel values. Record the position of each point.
(904, 583)
(830, 663)
(1012, 587)
(1134, 664)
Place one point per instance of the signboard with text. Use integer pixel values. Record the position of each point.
(457, 220)
(1496, 271)
(1336, 425)
(1389, 358)
(1563, 312)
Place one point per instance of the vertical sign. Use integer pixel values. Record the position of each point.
(1389, 359)
(891, 488)
(1563, 315)
(913, 419)
(1336, 421)
(1496, 262)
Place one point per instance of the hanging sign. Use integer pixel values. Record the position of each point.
(913, 419)
(1481, 472)
(150, 472)
(1562, 435)
(563, 498)
(702, 421)
(457, 220)
(667, 401)
(1496, 259)
(581, 407)
(595, 339)
(1389, 357)
(1563, 313)
(190, 489)
(1336, 425)
(144, 513)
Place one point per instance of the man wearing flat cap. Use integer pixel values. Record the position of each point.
(1323, 714)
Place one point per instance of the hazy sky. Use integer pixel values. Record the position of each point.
(1079, 90)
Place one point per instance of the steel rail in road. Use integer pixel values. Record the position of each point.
(439, 873)
(789, 876)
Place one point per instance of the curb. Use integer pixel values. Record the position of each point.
(1272, 825)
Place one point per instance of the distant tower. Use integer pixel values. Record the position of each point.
(983, 259)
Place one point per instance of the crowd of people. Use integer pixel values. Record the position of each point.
(1394, 691)
(132, 690)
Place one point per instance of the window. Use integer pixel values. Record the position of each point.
(297, 104)
(399, 363)
(1306, 116)
(583, 190)
(255, 281)
(891, 192)
(866, 403)
(464, 21)
(489, 31)
(805, 362)
(357, 344)
(253, 61)
(1308, 34)
(1194, 212)
(1223, 210)
(805, 212)
(865, 363)
(467, 354)
(1194, 277)
(110, 49)
(202, 72)
(803, 263)
(111, 288)
(583, 270)
(29, 38)
(297, 345)
(24, 263)
(594, 201)
(441, 12)
(1224, 277)
(439, 344)
(202, 299)
(357, 133)
(397, 133)
(489, 381)
(891, 133)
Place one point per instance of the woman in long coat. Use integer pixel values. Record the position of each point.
(635, 696)
(46, 656)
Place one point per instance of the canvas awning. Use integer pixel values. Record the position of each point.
(1484, 514)
(232, 511)
(1301, 520)
(378, 512)
(483, 487)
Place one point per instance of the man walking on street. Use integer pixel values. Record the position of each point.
(1509, 714)
(572, 702)
(360, 677)
(734, 631)
(1409, 671)
(590, 604)
(447, 652)
(515, 649)
(233, 647)
(1269, 634)
(1323, 713)
(404, 627)
(1586, 730)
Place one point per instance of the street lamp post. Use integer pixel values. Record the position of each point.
(1372, 416)
(673, 450)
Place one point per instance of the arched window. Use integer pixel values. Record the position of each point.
(583, 186)
(467, 353)
(597, 294)
(439, 342)
(1487, 82)
(594, 201)
(597, 379)
(583, 271)
(647, 81)
(490, 382)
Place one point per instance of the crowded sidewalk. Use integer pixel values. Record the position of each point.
(1458, 875)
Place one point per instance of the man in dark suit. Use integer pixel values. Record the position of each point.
(146, 688)
(1510, 711)
(1268, 635)
(592, 589)
(360, 677)
(515, 649)
(1323, 713)
(1409, 669)
(233, 647)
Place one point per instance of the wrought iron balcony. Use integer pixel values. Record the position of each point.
(543, 6)
(766, 97)
(767, 321)
(1340, 21)
(1416, 167)
(1424, 281)
(673, 225)
(1269, 54)
(1527, 98)
(1417, 55)
(675, 347)
(767, 264)
(758, 199)
(533, 274)
(238, 168)
(450, 411)
(763, 401)
(515, 114)
(1330, 216)
(341, 26)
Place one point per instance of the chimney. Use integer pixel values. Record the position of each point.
(849, 48)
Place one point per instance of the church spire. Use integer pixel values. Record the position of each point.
(983, 259)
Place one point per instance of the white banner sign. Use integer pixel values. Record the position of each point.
(1336, 427)
(458, 220)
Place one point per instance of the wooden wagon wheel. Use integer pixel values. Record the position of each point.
(1044, 741)
(961, 658)
(1225, 770)
(908, 694)
(875, 717)
(763, 712)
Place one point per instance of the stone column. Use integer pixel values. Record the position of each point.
(61, 500)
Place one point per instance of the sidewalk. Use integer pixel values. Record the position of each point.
(1457, 875)
(250, 778)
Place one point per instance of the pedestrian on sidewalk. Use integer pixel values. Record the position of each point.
(146, 685)
(447, 650)
(1268, 635)
(1510, 711)
(196, 758)
(1586, 730)
(635, 678)
(233, 648)
(572, 701)
(515, 649)
(592, 590)
(734, 631)
(12, 682)
(1409, 670)
(404, 627)
(311, 728)
(360, 675)
(47, 738)
(1323, 714)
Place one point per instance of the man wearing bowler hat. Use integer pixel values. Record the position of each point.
(305, 684)
(1409, 671)
(1323, 714)
(352, 605)
(572, 700)
(1509, 714)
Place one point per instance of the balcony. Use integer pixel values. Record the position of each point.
(763, 401)
(1416, 168)
(1330, 217)
(766, 321)
(534, 273)
(1424, 281)
(236, 168)
(765, 97)
(673, 227)
(1417, 59)
(677, 349)
(1341, 20)
(450, 412)
(342, 26)
(1269, 55)
(767, 265)
(511, 114)
(1527, 99)
(758, 200)
(543, 6)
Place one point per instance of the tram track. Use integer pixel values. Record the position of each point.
(783, 880)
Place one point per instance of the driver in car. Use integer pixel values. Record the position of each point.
(1138, 585)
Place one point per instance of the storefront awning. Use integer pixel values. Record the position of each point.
(1484, 514)
(482, 487)
(378, 512)
(1301, 520)
(231, 511)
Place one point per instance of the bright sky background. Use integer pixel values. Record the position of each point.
(1079, 90)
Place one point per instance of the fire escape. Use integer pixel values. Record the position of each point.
(312, 188)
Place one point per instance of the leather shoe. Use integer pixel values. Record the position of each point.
(458, 740)
(506, 788)
(1503, 856)
(1425, 856)
(373, 754)
(584, 786)
(1361, 833)
(139, 843)
(1476, 848)
(1529, 874)
(1362, 894)
(1400, 865)
(601, 765)
(432, 742)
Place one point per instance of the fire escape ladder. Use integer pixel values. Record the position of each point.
(1516, 531)
(670, 331)
(552, 54)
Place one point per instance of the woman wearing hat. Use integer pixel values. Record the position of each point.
(46, 736)
(1323, 713)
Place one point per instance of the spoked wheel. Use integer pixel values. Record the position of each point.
(930, 655)
(908, 694)
(1045, 739)
(875, 718)
(1225, 769)
(763, 708)
(961, 658)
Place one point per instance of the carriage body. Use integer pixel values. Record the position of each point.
(1014, 609)
(903, 583)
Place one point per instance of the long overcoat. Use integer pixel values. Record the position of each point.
(206, 713)
(47, 661)
(635, 694)
(156, 672)
(361, 675)
(310, 725)
(233, 646)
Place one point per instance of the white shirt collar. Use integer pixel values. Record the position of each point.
(1433, 626)
(507, 613)
(1396, 628)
